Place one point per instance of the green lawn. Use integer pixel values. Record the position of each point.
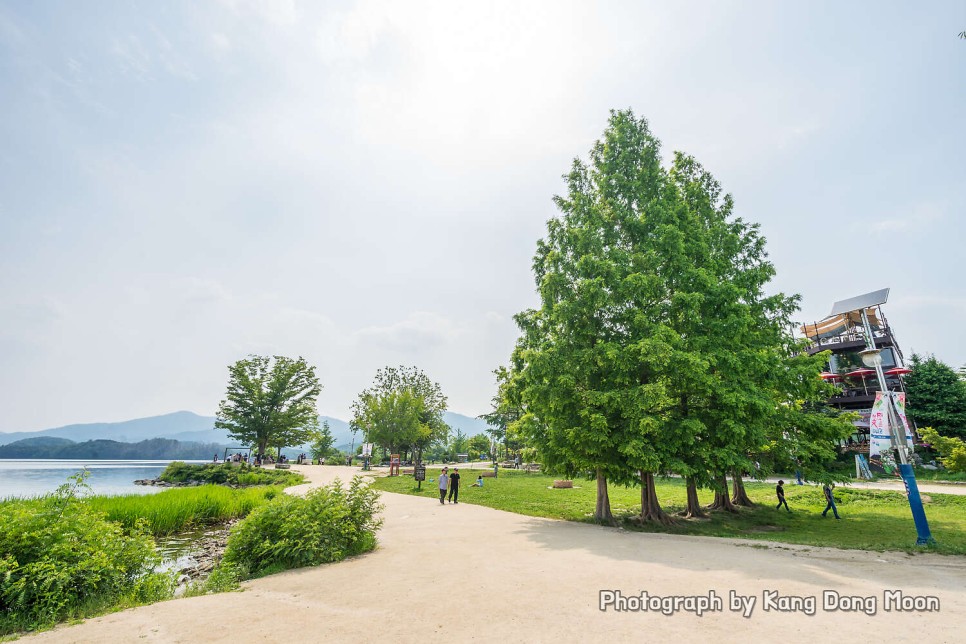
(871, 519)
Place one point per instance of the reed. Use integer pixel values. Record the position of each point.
(179, 509)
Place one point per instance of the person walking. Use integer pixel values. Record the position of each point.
(780, 491)
(829, 501)
(443, 480)
(454, 486)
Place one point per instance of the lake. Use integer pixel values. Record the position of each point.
(34, 477)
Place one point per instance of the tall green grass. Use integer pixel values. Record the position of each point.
(179, 509)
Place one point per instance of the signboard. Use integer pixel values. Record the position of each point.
(880, 434)
(419, 473)
(367, 449)
(899, 399)
(879, 439)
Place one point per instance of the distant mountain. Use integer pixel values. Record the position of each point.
(470, 426)
(153, 448)
(186, 426)
(129, 431)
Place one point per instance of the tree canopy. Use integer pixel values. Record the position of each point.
(401, 411)
(270, 402)
(936, 396)
(655, 348)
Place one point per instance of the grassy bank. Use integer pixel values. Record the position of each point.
(872, 519)
(180, 509)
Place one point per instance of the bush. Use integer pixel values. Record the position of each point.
(228, 474)
(952, 450)
(328, 524)
(62, 560)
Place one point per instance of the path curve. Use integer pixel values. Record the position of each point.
(474, 573)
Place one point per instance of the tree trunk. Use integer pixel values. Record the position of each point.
(693, 510)
(602, 512)
(650, 507)
(739, 496)
(721, 499)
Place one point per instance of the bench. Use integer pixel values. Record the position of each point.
(532, 467)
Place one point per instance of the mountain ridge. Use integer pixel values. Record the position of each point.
(187, 426)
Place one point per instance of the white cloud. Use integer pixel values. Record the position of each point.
(219, 43)
(916, 219)
(420, 331)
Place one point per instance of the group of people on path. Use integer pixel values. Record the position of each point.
(449, 482)
(826, 490)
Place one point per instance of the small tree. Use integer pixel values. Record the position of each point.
(270, 402)
(477, 445)
(402, 410)
(322, 442)
(459, 443)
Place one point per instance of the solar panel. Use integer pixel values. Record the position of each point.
(861, 302)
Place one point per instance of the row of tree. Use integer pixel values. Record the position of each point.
(655, 348)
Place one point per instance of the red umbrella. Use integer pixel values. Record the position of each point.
(861, 373)
(898, 371)
(825, 375)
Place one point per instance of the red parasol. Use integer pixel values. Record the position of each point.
(825, 375)
(898, 371)
(861, 373)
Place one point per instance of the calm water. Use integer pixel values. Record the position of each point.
(34, 477)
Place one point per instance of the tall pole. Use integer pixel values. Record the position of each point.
(897, 430)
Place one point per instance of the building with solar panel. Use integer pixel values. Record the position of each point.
(843, 333)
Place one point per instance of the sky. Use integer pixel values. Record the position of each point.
(363, 183)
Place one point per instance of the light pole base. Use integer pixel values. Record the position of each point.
(915, 504)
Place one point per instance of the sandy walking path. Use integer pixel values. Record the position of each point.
(466, 572)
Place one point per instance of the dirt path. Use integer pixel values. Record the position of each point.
(472, 573)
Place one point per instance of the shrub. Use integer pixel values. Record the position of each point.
(952, 450)
(62, 560)
(328, 524)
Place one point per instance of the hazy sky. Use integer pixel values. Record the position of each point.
(363, 183)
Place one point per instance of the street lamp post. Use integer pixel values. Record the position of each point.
(872, 357)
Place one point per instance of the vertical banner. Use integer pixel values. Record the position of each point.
(899, 398)
(879, 440)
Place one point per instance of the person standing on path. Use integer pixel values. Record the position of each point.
(443, 480)
(780, 491)
(454, 485)
(830, 501)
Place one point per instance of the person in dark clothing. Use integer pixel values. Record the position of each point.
(454, 486)
(830, 501)
(780, 491)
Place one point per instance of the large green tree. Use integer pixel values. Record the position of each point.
(655, 348)
(270, 402)
(401, 411)
(936, 396)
